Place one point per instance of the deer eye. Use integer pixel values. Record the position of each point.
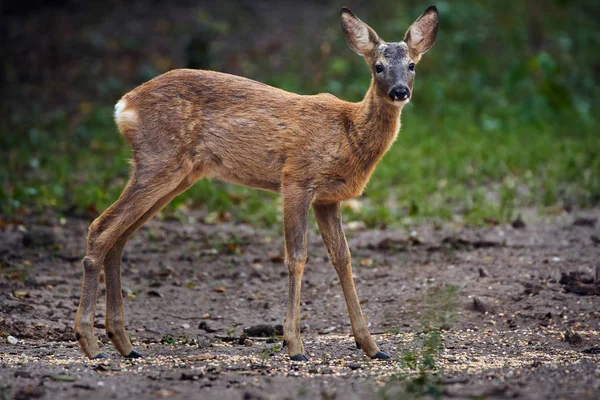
(411, 66)
(378, 68)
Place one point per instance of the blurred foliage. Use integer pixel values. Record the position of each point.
(504, 115)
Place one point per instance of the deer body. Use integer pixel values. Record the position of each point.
(316, 151)
(249, 133)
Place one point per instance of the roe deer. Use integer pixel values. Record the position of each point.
(315, 150)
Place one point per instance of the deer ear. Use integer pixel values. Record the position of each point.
(421, 35)
(359, 36)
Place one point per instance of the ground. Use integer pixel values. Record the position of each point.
(465, 312)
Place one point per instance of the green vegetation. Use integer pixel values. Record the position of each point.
(441, 305)
(505, 115)
(420, 358)
(269, 351)
(181, 340)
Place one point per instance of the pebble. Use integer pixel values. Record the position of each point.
(12, 340)
(41, 236)
(356, 225)
(327, 330)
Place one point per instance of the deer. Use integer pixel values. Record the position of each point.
(314, 150)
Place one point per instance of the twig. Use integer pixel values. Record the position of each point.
(180, 317)
(238, 338)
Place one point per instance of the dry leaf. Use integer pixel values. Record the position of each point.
(366, 262)
(202, 357)
(165, 393)
(220, 289)
(61, 378)
(277, 257)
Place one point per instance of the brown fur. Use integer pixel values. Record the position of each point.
(229, 140)
(189, 124)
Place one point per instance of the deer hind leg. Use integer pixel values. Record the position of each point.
(115, 320)
(329, 219)
(296, 202)
(137, 198)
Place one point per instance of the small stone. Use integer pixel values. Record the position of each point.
(518, 223)
(185, 326)
(366, 262)
(248, 342)
(480, 306)
(206, 327)
(327, 330)
(12, 340)
(353, 204)
(264, 330)
(204, 341)
(220, 289)
(41, 236)
(572, 337)
(23, 374)
(202, 357)
(582, 221)
(356, 225)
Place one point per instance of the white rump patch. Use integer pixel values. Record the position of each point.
(125, 118)
(119, 107)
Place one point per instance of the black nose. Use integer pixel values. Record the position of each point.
(399, 93)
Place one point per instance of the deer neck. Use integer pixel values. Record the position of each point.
(374, 127)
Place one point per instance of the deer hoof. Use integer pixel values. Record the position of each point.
(133, 354)
(299, 357)
(381, 356)
(100, 356)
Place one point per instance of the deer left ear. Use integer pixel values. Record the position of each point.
(421, 35)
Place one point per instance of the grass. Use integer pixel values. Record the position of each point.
(439, 168)
(181, 340)
(496, 124)
(420, 358)
(269, 351)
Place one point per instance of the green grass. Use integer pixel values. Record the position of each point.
(438, 168)
(421, 358)
(497, 123)
(441, 168)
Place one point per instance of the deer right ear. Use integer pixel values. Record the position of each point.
(359, 36)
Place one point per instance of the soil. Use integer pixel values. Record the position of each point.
(511, 330)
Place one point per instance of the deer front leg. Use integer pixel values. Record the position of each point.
(329, 219)
(296, 202)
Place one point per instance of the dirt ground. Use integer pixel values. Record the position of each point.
(510, 328)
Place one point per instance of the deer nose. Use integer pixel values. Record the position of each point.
(399, 93)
